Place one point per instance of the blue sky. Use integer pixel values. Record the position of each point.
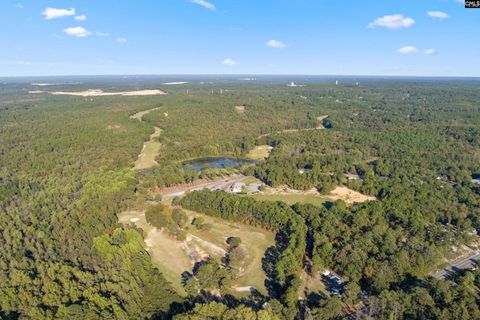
(353, 37)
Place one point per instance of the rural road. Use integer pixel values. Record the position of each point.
(211, 185)
(463, 264)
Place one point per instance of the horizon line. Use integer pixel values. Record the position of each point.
(240, 75)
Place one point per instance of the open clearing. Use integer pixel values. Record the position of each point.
(100, 93)
(173, 257)
(167, 254)
(289, 195)
(150, 150)
(348, 195)
(240, 109)
(139, 115)
(254, 240)
(260, 152)
(174, 83)
(46, 84)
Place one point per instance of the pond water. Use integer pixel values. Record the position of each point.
(215, 163)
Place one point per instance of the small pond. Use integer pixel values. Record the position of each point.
(215, 163)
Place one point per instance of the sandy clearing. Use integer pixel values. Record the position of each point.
(174, 83)
(348, 195)
(101, 93)
(240, 109)
(46, 84)
(339, 193)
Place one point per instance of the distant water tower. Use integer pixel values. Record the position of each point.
(336, 83)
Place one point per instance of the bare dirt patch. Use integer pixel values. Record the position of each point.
(240, 109)
(174, 83)
(339, 193)
(348, 195)
(46, 84)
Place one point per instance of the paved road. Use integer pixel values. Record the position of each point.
(463, 264)
(212, 185)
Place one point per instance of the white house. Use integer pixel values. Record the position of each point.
(237, 187)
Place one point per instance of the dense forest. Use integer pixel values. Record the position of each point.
(66, 172)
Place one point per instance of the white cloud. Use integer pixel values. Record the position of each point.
(122, 40)
(205, 4)
(276, 44)
(102, 34)
(395, 21)
(430, 52)
(407, 50)
(81, 18)
(19, 6)
(53, 13)
(22, 62)
(229, 62)
(437, 14)
(79, 32)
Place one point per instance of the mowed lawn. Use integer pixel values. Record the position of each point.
(254, 240)
(259, 152)
(172, 258)
(291, 198)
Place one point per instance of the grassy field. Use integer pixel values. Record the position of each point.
(254, 240)
(150, 150)
(292, 198)
(259, 152)
(250, 180)
(173, 257)
(166, 253)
